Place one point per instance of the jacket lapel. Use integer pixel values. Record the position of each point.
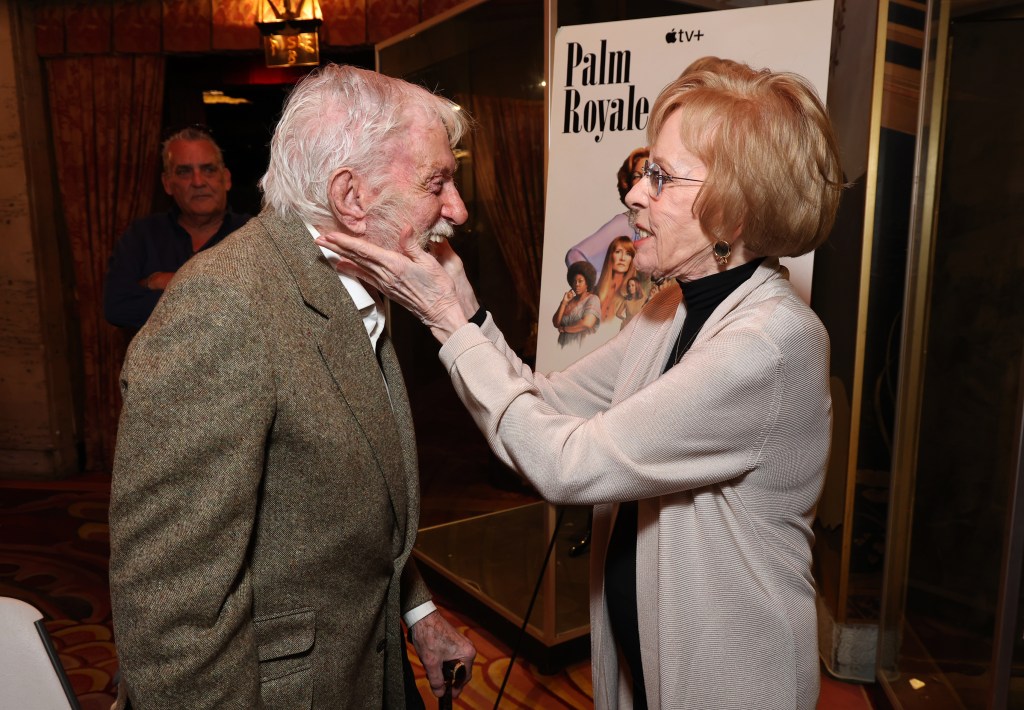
(408, 493)
(346, 352)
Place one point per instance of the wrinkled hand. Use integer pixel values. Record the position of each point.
(452, 265)
(436, 641)
(409, 276)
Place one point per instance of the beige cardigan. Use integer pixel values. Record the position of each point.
(726, 453)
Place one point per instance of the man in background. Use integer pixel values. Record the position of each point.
(265, 495)
(153, 248)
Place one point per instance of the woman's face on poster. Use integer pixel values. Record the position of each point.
(621, 259)
(638, 168)
(579, 285)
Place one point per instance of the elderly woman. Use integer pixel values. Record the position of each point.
(579, 311)
(701, 587)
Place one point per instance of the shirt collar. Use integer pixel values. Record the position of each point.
(356, 289)
(370, 309)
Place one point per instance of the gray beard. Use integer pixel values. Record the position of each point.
(389, 218)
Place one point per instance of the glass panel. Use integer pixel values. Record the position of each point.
(850, 529)
(969, 433)
(476, 531)
(498, 557)
(493, 50)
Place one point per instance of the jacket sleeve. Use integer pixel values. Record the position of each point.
(414, 589)
(702, 422)
(126, 304)
(198, 404)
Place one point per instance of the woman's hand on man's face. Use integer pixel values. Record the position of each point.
(452, 264)
(410, 276)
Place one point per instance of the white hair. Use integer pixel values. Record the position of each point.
(341, 116)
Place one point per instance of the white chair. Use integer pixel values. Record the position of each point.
(31, 676)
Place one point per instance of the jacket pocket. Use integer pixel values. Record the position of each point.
(286, 634)
(284, 645)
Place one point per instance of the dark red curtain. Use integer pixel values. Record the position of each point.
(106, 113)
(508, 163)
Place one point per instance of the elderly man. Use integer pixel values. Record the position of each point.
(265, 497)
(154, 247)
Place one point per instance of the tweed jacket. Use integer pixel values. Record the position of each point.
(726, 453)
(265, 497)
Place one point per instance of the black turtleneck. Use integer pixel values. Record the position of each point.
(701, 297)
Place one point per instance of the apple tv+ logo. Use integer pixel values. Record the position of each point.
(673, 36)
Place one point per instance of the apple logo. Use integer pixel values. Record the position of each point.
(670, 37)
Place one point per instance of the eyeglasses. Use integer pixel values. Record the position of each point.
(657, 178)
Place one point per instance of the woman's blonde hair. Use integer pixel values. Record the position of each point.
(604, 281)
(773, 172)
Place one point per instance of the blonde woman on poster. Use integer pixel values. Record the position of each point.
(618, 269)
(701, 588)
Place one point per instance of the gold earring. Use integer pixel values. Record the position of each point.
(722, 251)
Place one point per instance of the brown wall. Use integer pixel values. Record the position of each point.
(171, 26)
(36, 400)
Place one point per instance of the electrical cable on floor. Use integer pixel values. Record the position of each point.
(529, 609)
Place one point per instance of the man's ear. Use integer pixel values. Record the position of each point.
(165, 180)
(227, 178)
(347, 195)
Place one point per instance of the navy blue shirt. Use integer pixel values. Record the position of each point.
(151, 244)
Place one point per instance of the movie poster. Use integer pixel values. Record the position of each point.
(605, 79)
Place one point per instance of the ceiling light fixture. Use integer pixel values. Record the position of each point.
(290, 32)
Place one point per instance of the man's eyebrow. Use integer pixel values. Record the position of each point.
(438, 171)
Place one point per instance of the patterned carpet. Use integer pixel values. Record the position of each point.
(53, 554)
(54, 545)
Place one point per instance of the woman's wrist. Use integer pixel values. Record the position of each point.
(446, 322)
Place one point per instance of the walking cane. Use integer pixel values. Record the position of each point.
(454, 673)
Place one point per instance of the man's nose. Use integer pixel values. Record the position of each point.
(197, 176)
(454, 209)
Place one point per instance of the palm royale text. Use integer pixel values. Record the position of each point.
(596, 116)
